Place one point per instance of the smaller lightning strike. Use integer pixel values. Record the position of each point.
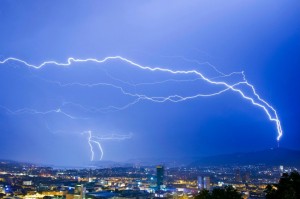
(90, 141)
(93, 85)
(36, 112)
(96, 140)
(170, 80)
(160, 99)
(138, 97)
(199, 63)
(108, 109)
(100, 148)
(91, 146)
(221, 74)
(113, 136)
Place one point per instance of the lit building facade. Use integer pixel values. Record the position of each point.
(203, 182)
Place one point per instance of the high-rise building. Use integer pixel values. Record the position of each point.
(159, 176)
(200, 182)
(204, 182)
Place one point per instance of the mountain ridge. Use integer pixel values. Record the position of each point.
(270, 157)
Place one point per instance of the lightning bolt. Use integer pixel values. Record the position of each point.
(91, 146)
(257, 101)
(96, 140)
(164, 81)
(199, 63)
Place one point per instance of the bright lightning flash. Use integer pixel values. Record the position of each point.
(255, 100)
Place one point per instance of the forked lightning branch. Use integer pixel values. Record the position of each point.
(253, 97)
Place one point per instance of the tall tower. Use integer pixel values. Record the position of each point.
(206, 183)
(200, 182)
(159, 176)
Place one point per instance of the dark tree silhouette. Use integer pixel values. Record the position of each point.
(204, 194)
(220, 193)
(287, 188)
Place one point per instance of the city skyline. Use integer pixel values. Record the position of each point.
(145, 79)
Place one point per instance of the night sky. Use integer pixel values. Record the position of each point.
(261, 38)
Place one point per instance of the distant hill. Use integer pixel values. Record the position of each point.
(270, 157)
(110, 164)
(277, 156)
(167, 161)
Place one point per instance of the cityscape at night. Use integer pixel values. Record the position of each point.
(149, 99)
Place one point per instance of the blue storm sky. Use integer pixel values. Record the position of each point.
(261, 38)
